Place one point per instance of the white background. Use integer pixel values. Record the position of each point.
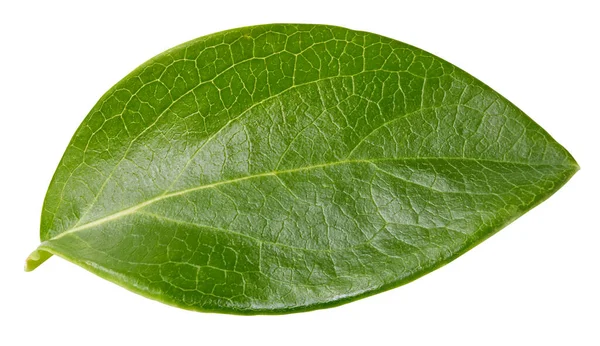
(534, 283)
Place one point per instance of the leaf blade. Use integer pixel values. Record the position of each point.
(426, 152)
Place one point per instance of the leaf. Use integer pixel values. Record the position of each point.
(283, 168)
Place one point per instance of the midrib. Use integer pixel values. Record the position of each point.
(133, 209)
(137, 207)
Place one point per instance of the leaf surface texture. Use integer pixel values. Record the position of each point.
(282, 168)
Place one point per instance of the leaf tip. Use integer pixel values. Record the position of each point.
(573, 163)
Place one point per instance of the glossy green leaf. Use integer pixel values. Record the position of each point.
(282, 168)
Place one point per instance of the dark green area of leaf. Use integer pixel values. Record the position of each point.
(282, 168)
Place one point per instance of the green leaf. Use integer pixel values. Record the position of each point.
(283, 168)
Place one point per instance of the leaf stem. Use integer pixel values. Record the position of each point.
(36, 258)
